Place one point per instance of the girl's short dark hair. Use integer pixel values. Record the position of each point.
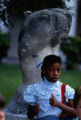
(77, 96)
(50, 59)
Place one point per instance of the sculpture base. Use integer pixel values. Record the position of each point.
(12, 116)
(10, 61)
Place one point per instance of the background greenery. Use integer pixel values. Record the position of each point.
(17, 7)
(72, 49)
(11, 77)
(4, 44)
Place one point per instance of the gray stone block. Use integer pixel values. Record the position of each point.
(13, 116)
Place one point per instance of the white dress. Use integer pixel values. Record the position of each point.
(41, 92)
(76, 118)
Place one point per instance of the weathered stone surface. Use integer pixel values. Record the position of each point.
(12, 116)
(41, 33)
(41, 28)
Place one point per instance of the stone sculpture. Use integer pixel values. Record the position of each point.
(41, 32)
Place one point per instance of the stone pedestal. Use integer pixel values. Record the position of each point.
(12, 116)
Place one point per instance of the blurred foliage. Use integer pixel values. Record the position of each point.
(17, 7)
(72, 49)
(4, 44)
(4, 38)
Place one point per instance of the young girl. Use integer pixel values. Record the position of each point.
(77, 102)
(44, 99)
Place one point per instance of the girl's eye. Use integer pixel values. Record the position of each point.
(51, 70)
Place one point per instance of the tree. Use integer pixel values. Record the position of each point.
(72, 49)
(17, 7)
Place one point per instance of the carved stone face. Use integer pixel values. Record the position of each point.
(41, 28)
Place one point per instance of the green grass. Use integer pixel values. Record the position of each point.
(11, 77)
(73, 78)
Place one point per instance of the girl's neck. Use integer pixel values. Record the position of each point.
(45, 79)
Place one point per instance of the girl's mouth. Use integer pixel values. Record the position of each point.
(54, 79)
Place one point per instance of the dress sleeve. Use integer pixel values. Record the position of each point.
(69, 93)
(29, 96)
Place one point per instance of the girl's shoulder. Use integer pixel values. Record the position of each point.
(69, 92)
(69, 88)
(34, 86)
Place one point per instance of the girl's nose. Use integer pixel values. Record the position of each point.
(56, 72)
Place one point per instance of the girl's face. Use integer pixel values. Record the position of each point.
(53, 72)
(79, 109)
